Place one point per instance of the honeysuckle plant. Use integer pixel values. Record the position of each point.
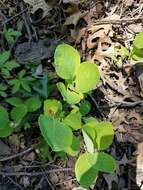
(66, 131)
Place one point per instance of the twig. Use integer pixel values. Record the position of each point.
(119, 21)
(13, 17)
(96, 105)
(16, 155)
(34, 173)
(125, 104)
(16, 184)
(72, 179)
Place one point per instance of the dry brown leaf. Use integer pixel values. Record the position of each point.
(73, 19)
(99, 34)
(39, 4)
(100, 38)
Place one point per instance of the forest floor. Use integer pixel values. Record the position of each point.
(96, 28)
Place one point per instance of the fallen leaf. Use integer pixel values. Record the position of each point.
(39, 4)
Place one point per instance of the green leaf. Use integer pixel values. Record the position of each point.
(88, 141)
(105, 135)
(74, 149)
(26, 86)
(66, 61)
(5, 130)
(70, 97)
(105, 162)
(5, 72)
(85, 107)
(87, 77)
(73, 119)
(138, 41)
(16, 87)
(10, 34)
(11, 65)
(52, 107)
(33, 104)
(88, 165)
(137, 54)
(4, 120)
(4, 56)
(85, 171)
(14, 101)
(57, 135)
(44, 151)
(18, 113)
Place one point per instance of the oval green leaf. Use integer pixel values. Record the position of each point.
(87, 77)
(66, 61)
(73, 119)
(138, 41)
(5, 130)
(14, 101)
(105, 134)
(88, 165)
(85, 171)
(18, 113)
(33, 104)
(51, 107)
(57, 135)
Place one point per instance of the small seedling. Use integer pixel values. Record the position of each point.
(79, 77)
(63, 130)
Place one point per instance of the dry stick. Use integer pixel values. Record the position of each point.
(34, 173)
(17, 155)
(13, 17)
(119, 21)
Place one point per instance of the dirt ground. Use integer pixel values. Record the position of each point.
(94, 28)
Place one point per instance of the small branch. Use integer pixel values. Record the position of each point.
(17, 15)
(16, 155)
(34, 173)
(119, 21)
(125, 104)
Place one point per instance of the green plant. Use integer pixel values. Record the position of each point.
(22, 109)
(59, 133)
(63, 130)
(79, 78)
(21, 82)
(137, 51)
(5, 129)
(11, 34)
(6, 65)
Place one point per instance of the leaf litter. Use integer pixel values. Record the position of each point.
(100, 43)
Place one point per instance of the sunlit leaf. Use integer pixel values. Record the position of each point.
(105, 135)
(138, 41)
(57, 135)
(74, 149)
(51, 107)
(73, 119)
(67, 61)
(88, 165)
(87, 77)
(69, 96)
